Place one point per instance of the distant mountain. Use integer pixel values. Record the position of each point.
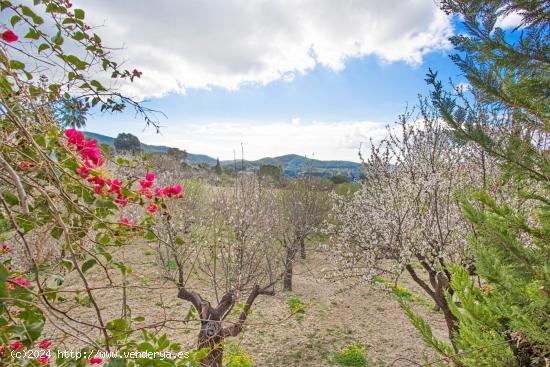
(293, 165)
(192, 158)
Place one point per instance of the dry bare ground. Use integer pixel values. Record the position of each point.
(336, 314)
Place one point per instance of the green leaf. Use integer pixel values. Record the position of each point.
(58, 39)
(150, 235)
(56, 232)
(32, 34)
(88, 265)
(101, 250)
(79, 64)
(42, 47)
(11, 198)
(67, 264)
(116, 362)
(175, 347)
(78, 36)
(54, 88)
(14, 64)
(41, 140)
(163, 342)
(54, 8)
(26, 225)
(102, 239)
(97, 85)
(14, 20)
(119, 325)
(145, 347)
(139, 319)
(79, 13)
(29, 13)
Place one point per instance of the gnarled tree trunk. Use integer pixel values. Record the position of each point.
(211, 337)
(439, 283)
(212, 333)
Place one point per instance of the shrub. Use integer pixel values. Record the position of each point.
(235, 356)
(352, 355)
(296, 307)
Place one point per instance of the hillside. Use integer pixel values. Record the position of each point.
(292, 164)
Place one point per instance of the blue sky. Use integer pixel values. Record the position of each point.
(320, 97)
(367, 89)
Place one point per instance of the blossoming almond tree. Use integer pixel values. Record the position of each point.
(225, 238)
(405, 216)
(300, 209)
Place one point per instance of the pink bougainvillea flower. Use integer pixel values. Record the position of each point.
(9, 36)
(152, 208)
(43, 359)
(23, 166)
(136, 73)
(96, 360)
(169, 191)
(16, 345)
(5, 249)
(173, 190)
(150, 177)
(176, 189)
(146, 192)
(121, 200)
(45, 344)
(98, 181)
(115, 186)
(145, 183)
(90, 152)
(19, 280)
(74, 136)
(127, 222)
(69, 4)
(83, 171)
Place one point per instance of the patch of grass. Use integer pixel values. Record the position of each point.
(234, 356)
(351, 355)
(296, 307)
(172, 265)
(401, 292)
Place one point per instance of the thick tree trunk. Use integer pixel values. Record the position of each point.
(289, 263)
(287, 280)
(212, 333)
(210, 337)
(437, 294)
(302, 249)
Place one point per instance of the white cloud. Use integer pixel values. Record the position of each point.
(198, 44)
(463, 87)
(321, 140)
(509, 21)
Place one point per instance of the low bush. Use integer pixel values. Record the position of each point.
(352, 355)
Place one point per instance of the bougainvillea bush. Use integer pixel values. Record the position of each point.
(61, 208)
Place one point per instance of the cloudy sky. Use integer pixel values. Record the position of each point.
(311, 77)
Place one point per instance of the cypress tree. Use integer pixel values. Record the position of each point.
(505, 319)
